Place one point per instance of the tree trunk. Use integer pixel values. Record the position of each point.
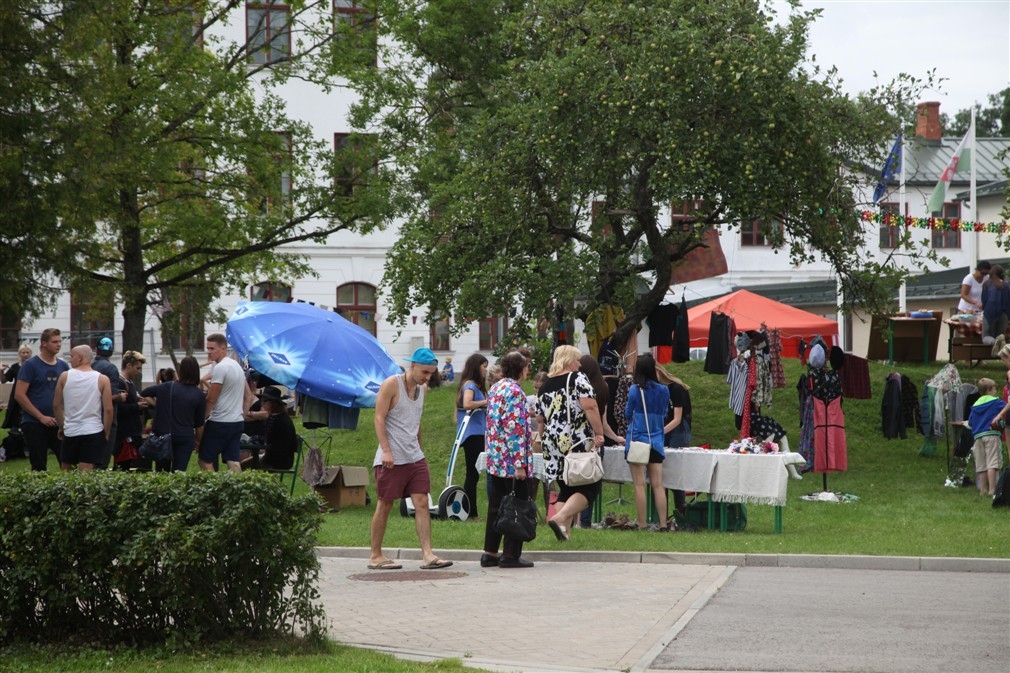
(134, 292)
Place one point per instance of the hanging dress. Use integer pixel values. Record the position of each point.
(830, 449)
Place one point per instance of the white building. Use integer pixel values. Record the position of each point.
(350, 266)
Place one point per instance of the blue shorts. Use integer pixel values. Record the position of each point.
(83, 449)
(221, 439)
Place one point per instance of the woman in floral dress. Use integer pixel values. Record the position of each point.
(569, 420)
(509, 447)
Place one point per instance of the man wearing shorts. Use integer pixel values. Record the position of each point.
(401, 470)
(227, 400)
(83, 407)
(34, 393)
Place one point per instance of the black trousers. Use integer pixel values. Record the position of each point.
(500, 487)
(473, 446)
(40, 440)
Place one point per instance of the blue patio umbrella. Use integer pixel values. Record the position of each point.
(311, 350)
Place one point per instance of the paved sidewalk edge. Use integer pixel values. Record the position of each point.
(645, 663)
(930, 563)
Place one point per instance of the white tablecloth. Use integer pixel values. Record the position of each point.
(759, 478)
(539, 469)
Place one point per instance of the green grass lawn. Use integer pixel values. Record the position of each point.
(276, 657)
(903, 507)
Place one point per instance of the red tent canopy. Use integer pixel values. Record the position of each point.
(749, 311)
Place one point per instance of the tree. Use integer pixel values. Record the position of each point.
(537, 143)
(161, 154)
(990, 122)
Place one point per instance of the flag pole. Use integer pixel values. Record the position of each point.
(902, 304)
(971, 190)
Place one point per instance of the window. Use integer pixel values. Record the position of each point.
(356, 302)
(268, 31)
(757, 233)
(686, 214)
(943, 238)
(355, 161)
(439, 335)
(90, 319)
(270, 292)
(10, 329)
(890, 233)
(355, 25)
(492, 331)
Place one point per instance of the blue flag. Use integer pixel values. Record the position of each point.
(891, 166)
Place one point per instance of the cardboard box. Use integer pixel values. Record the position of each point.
(343, 486)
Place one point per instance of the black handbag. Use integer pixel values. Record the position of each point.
(159, 447)
(517, 519)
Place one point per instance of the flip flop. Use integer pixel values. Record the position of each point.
(437, 564)
(388, 564)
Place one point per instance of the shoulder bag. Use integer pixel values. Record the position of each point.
(517, 519)
(638, 452)
(159, 447)
(584, 467)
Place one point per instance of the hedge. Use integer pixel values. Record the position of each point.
(124, 558)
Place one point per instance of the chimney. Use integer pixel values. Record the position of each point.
(927, 121)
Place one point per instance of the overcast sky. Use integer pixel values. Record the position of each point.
(967, 41)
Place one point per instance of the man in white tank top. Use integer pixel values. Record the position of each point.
(401, 470)
(83, 407)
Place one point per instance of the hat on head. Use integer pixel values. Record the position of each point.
(423, 356)
(272, 394)
(105, 346)
(816, 359)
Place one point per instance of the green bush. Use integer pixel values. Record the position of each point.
(115, 557)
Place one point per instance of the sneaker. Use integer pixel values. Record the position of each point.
(998, 344)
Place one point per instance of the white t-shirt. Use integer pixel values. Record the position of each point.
(974, 291)
(228, 408)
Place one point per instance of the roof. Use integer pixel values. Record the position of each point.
(992, 189)
(925, 161)
(945, 284)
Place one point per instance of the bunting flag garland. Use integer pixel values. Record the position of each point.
(934, 223)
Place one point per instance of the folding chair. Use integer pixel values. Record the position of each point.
(294, 468)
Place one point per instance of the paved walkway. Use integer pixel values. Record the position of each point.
(679, 612)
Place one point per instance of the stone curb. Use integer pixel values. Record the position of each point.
(977, 565)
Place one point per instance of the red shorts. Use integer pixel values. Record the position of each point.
(401, 481)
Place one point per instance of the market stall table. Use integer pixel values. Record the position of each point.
(754, 478)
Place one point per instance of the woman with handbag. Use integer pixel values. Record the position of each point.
(571, 433)
(509, 444)
(648, 401)
(472, 397)
(179, 411)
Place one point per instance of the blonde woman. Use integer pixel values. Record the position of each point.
(569, 419)
(677, 427)
(10, 374)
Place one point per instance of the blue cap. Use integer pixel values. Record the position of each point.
(423, 356)
(105, 346)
